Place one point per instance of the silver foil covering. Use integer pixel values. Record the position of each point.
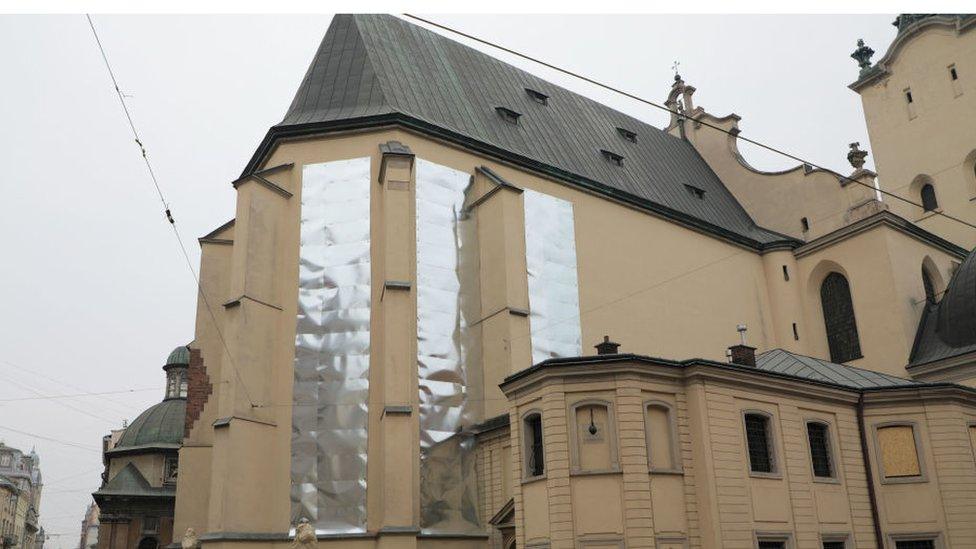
(448, 350)
(329, 413)
(550, 257)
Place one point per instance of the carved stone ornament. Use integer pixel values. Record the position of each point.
(856, 156)
(305, 536)
(190, 539)
(862, 55)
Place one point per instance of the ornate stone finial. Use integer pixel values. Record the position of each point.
(190, 539)
(856, 156)
(674, 67)
(305, 537)
(862, 55)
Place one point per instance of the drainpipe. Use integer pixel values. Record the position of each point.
(866, 457)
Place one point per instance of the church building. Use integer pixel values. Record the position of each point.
(461, 306)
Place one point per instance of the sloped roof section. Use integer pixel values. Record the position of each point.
(378, 68)
(785, 362)
(159, 426)
(130, 482)
(947, 329)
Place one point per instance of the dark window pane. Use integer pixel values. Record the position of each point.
(757, 437)
(833, 545)
(838, 311)
(929, 202)
(772, 545)
(819, 450)
(915, 544)
(929, 286)
(536, 459)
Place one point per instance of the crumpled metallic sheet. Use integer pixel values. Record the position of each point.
(550, 257)
(448, 350)
(329, 416)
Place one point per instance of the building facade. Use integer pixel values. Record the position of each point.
(20, 476)
(425, 249)
(134, 505)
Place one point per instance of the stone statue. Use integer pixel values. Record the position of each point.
(305, 536)
(190, 539)
(863, 55)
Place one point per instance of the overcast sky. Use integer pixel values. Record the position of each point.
(93, 288)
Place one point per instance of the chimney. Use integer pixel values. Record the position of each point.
(742, 354)
(607, 347)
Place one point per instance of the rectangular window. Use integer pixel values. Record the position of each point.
(538, 97)
(915, 544)
(819, 450)
(805, 224)
(508, 115)
(768, 544)
(899, 456)
(172, 470)
(534, 456)
(786, 274)
(628, 135)
(613, 157)
(695, 191)
(908, 96)
(758, 440)
(796, 333)
(952, 72)
(833, 545)
(910, 102)
(150, 525)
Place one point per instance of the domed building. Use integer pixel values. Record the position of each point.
(137, 496)
(945, 345)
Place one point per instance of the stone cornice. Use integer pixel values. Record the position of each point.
(882, 218)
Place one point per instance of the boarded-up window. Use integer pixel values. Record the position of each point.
(838, 311)
(899, 457)
(660, 447)
(593, 438)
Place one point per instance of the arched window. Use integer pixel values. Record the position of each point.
(928, 285)
(929, 202)
(838, 312)
(534, 456)
(759, 443)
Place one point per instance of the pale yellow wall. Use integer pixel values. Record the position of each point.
(715, 501)
(777, 200)
(657, 288)
(884, 269)
(939, 141)
(151, 466)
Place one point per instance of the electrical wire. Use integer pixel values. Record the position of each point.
(167, 211)
(54, 440)
(78, 395)
(683, 116)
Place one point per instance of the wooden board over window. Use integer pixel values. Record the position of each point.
(899, 457)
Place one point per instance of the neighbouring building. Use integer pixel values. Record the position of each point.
(89, 528)
(134, 506)
(8, 512)
(395, 340)
(22, 484)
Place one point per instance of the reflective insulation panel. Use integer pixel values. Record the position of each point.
(550, 257)
(329, 413)
(448, 350)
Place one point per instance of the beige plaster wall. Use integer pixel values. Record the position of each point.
(939, 139)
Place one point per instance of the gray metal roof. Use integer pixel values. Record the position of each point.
(376, 65)
(161, 424)
(785, 362)
(948, 328)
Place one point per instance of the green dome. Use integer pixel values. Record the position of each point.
(160, 424)
(179, 356)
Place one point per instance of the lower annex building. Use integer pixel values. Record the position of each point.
(425, 249)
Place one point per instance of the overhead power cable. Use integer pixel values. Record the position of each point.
(678, 114)
(78, 395)
(167, 211)
(54, 440)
